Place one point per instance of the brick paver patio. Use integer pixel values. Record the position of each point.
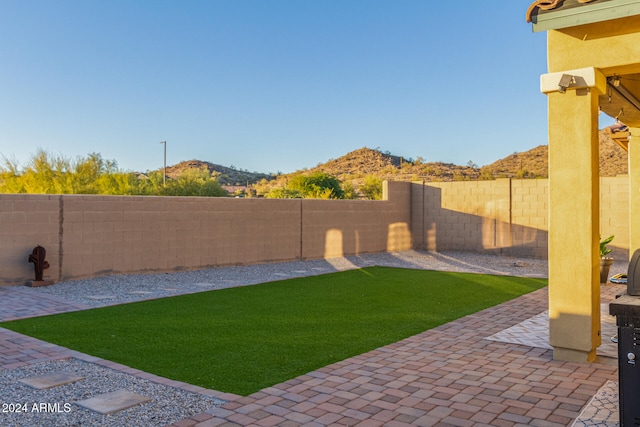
(448, 376)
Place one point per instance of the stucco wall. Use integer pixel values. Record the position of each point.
(93, 235)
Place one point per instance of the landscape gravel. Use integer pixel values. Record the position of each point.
(26, 406)
(118, 289)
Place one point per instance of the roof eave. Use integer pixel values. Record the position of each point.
(585, 14)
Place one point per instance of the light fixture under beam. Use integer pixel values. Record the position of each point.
(616, 86)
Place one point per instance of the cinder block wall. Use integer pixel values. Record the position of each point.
(505, 216)
(464, 216)
(105, 234)
(614, 214)
(25, 222)
(529, 217)
(95, 235)
(333, 228)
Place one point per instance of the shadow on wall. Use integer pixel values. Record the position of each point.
(398, 239)
(481, 224)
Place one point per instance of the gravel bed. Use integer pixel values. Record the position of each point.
(118, 289)
(169, 404)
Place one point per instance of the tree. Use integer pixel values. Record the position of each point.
(371, 187)
(262, 187)
(10, 181)
(194, 182)
(47, 174)
(92, 175)
(318, 185)
(283, 193)
(349, 190)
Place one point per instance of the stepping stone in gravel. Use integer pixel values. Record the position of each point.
(115, 401)
(281, 274)
(139, 293)
(42, 382)
(100, 297)
(300, 271)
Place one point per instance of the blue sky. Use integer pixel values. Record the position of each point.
(269, 85)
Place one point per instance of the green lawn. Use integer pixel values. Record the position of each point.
(241, 340)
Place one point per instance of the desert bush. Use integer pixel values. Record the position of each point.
(371, 187)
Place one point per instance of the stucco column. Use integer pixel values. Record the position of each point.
(634, 190)
(574, 282)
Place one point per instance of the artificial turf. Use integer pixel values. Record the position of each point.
(241, 340)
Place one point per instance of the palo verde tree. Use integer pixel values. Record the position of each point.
(47, 174)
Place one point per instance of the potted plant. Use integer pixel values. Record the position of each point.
(605, 262)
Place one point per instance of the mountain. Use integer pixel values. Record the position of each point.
(613, 159)
(529, 164)
(363, 162)
(357, 165)
(227, 176)
(534, 163)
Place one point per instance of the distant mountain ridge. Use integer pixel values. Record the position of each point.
(227, 176)
(358, 164)
(365, 161)
(534, 163)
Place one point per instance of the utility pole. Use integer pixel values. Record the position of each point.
(164, 174)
